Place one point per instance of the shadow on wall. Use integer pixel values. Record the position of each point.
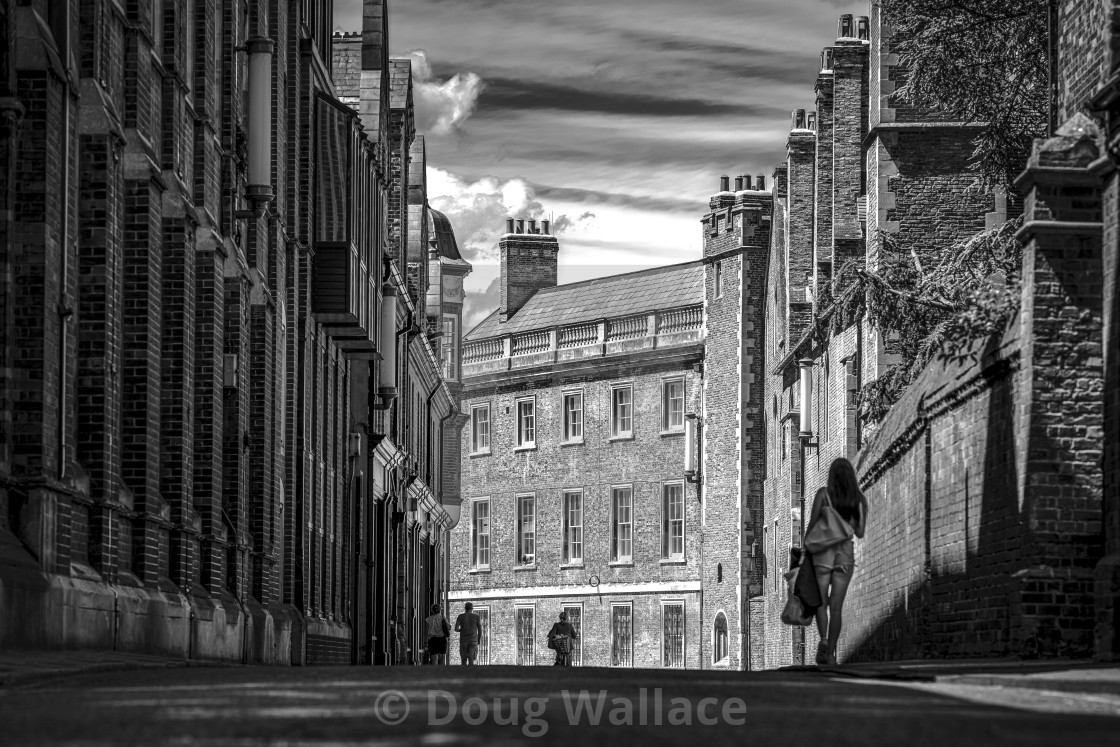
(946, 569)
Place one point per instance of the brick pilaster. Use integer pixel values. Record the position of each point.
(1059, 424)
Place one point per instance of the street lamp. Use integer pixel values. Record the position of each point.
(259, 189)
(806, 405)
(388, 344)
(690, 468)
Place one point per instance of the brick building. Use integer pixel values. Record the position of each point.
(985, 483)
(601, 468)
(209, 442)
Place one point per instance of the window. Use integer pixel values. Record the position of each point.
(573, 527)
(718, 279)
(719, 638)
(480, 429)
(622, 635)
(622, 409)
(575, 617)
(526, 529)
(672, 634)
(672, 521)
(480, 533)
(573, 416)
(525, 635)
(526, 422)
(672, 405)
(622, 545)
(449, 347)
(483, 634)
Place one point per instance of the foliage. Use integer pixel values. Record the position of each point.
(983, 61)
(929, 306)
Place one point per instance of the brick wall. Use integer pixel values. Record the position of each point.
(144, 459)
(593, 466)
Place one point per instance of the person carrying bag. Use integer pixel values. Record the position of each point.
(839, 514)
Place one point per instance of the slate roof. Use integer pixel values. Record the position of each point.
(590, 300)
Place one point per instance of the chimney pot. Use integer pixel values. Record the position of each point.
(863, 26)
(545, 225)
(521, 225)
(747, 181)
(738, 184)
(509, 225)
(724, 183)
(826, 58)
(811, 122)
(532, 225)
(844, 28)
(761, 183)
(798, 119)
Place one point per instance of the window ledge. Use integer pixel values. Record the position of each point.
(525, 567)
(479, 453)
(573, 442)
(526, 447)
(571, 566)
(622, 563)
(479, 570)
(628, 437)
(679, 432)
(674, 561)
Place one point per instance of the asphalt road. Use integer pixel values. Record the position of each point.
(516, 705)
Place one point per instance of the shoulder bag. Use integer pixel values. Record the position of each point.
(828, 530)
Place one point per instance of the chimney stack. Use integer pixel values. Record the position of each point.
(509, 225)
(528, 265)
(545, 225)
(845, 28)
(863, 28)
(761, 183)
(724, 183)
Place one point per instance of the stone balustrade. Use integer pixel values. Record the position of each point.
(605, 337)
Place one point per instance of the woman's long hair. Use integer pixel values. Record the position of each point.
(843, 488)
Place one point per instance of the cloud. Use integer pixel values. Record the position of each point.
(623, 98)
(477, 211)
(441, 107)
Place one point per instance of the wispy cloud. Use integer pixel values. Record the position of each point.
(628, 111)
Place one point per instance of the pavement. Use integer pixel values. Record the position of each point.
(1066, 675)
(111, 698)
(24, 667)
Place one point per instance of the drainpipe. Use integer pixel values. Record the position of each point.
(428, 436)
(64, 310)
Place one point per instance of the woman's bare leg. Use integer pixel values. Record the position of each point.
(840, 583)
(824, 577)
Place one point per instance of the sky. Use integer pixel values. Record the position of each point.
(615, 118)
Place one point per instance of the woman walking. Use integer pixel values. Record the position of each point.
(835, 565)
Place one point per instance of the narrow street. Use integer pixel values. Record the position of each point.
(514, 705)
